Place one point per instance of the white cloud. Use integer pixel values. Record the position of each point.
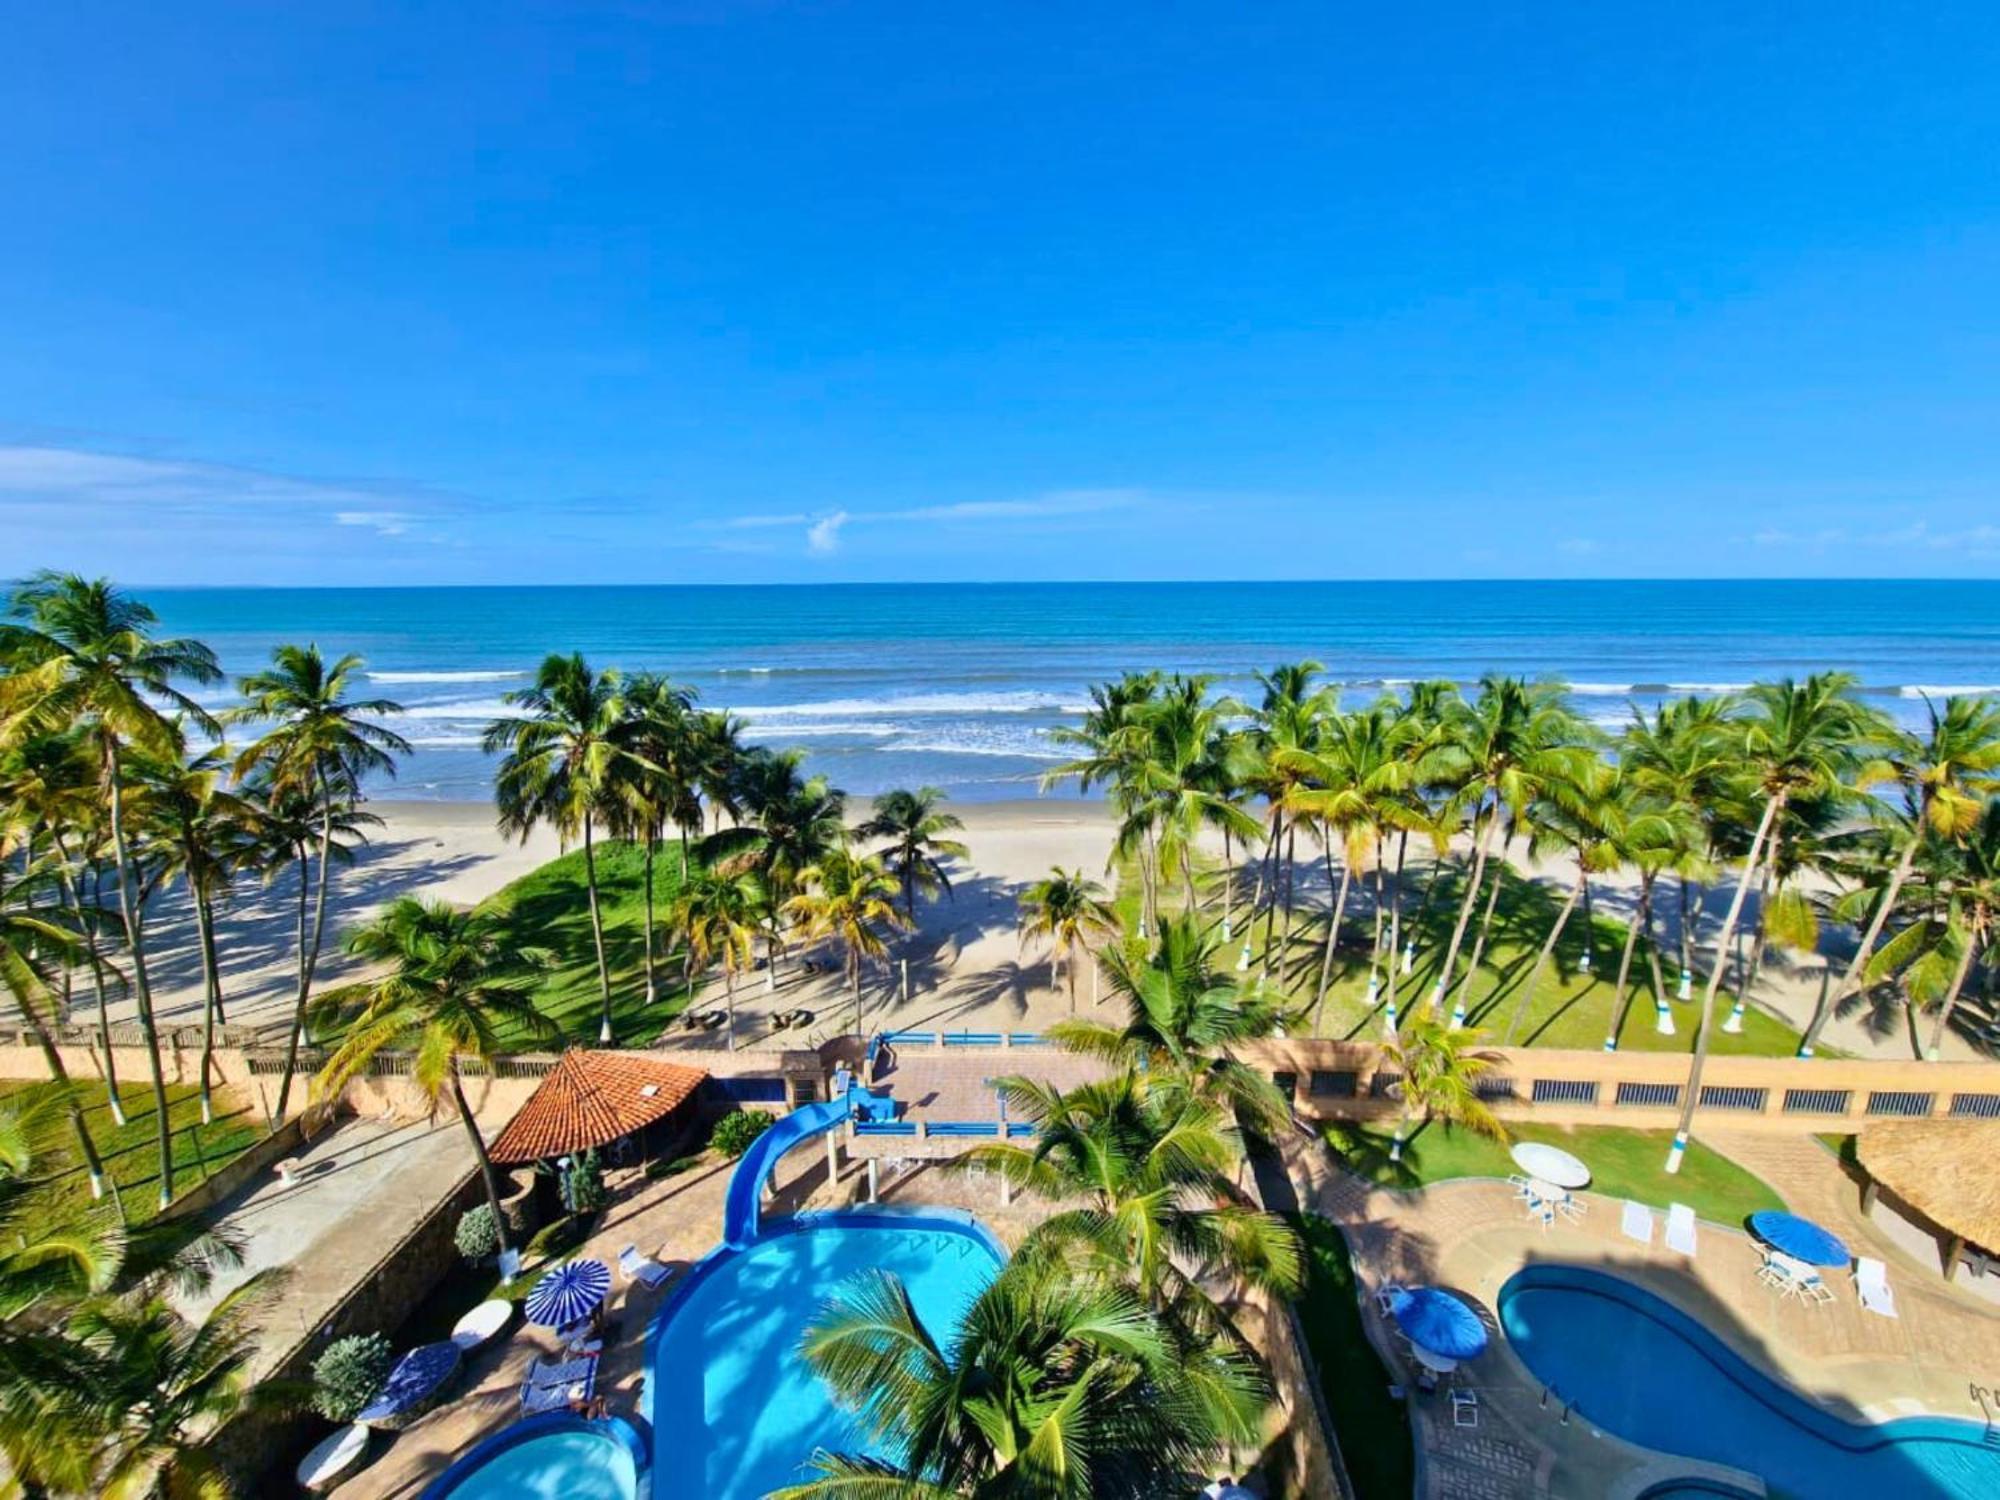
(383, 522)
(823, 535)
(823, 532)
(1577, 546)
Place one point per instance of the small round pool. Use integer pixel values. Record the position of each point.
(736, 1411)
(1639, 1367)
(556, 1456)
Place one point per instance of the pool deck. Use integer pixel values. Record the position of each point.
(1472, 1235)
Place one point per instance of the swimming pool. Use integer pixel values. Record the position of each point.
(556, 1456)
(735, 1410)
(1639, 1367)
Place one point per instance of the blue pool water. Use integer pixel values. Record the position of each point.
(735, 1410)
(553, 1457)
(1639, 1367)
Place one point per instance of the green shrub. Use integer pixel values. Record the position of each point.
(664, 1166)
(478, 1234)
(734, 1132)
(583, 1183)
(348, 1374)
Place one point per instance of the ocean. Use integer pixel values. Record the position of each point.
(958, 685)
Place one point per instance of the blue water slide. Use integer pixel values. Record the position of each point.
(741, 1209)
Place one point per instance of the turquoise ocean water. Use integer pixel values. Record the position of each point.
(958, 685)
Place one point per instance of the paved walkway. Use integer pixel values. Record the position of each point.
(1472, 1235)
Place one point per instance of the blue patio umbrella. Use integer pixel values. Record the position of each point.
(1799, 1238)
(1435, 1320)
(569, 1294)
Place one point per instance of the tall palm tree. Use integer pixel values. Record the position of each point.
(715, 752)
(1685, 756)
(1289, 718)
(1113, 739)
(1181, 787)
(1948, 773)
(1795, 739)
(566, 754)
(1181, 1017)
(1068, 908)
(1054, 1388)
(658, 786)
(850, 898)
(1440, 1079)
(1976, 895)
(321, 744)
(720, 916)
(917, 848)
(453, 989)
(1516, 742)
(84, 654)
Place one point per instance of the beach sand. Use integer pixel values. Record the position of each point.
(967, 965)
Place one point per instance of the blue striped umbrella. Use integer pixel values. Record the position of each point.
(569, 1294)
(1439, 1322)
(1799, 1238)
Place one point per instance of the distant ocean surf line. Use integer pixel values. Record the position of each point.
(960, 685)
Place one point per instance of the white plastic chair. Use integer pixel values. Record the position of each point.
(1635, 1222)
(1871, 1284)
(1465, 1408)
(641, 1268)
(1680, 1229)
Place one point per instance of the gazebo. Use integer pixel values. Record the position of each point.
(592, 1099)
(1938, 1172)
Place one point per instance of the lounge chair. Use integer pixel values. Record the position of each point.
(1871, 1284)
(1636, 1223)
(1465, 1408)
(1385, 1296)
(560, 1372)
(642, 1268)
(1680, 1229)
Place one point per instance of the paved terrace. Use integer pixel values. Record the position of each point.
(1472, 1235)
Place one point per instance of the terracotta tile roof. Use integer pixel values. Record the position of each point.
(591, 1099)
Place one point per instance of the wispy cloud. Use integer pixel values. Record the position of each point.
(823, 535)
(823, 530)
(383, 522)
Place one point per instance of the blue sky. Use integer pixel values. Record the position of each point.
(708, 291)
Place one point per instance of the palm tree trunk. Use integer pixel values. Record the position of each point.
(1332, 931)
(1396, 935)
(1965, 959)
(292, 1038)
(854, 979)
(1444, 979)
(46, 1041)
(1624, 976)
(1850, 980)
(1272, 853)
(211, 991)
(479, 1150)
(1549, 947)
(74, 897)
(597, 930)
(1485, 921)
(1706, 1026)
(309, 952)
(652, 988)
(729, 996)
(142, 989)
(1068, 955)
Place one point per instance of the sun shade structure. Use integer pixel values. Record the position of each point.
(1433, 1319)
(569, 1294)
(1942, 1169)
(592, 1099)
(1799, 1238)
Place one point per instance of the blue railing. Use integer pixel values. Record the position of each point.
(962, 1127)
(885, 1127)
(973, 1039)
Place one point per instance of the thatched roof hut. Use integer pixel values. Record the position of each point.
(1947, 1170)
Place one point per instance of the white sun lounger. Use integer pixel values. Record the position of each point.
(1680, 1229)
(1871, 1284)
(637, 1267)
(1636, 1223)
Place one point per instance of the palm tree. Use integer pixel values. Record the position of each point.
(452, 985)
(1068, 908)
(566, 755)
(1055, 1388)
(1685, 756)
(715, 753)
(83, 654)
(1976, 894)
(850, 898)
(1181, 784)
(1440, 1079)
(720, 915)
(1153, 1166)
(916, 848)
(1113, 739)
(659, 786)
(1181, 1017)
(1517, 742)
(320, 744)
(1948, 773)
(1796, 739)
(1289, 719)
(794, 821)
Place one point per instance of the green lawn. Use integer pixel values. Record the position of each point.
(1373, 1427)
(550, 908)
(61, 1189)
(1623, 1164)
(1571, 1007)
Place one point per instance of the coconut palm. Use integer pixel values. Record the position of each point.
(320, 744)
(714, 749)
(1516, 742)
(1068, 908)
(83, 655)
(720, 916)
(1181, 1017)
(1948, 772)
(453, 989)
(792, 821)
(1440, 1079)
(1795, 740)
(1181, 784)
(917, 848)
(1685, 756)
(1113, 740)
(1054, 1388)
(568, 751)
(657, 786)
(850, 898)
(1288, 719)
